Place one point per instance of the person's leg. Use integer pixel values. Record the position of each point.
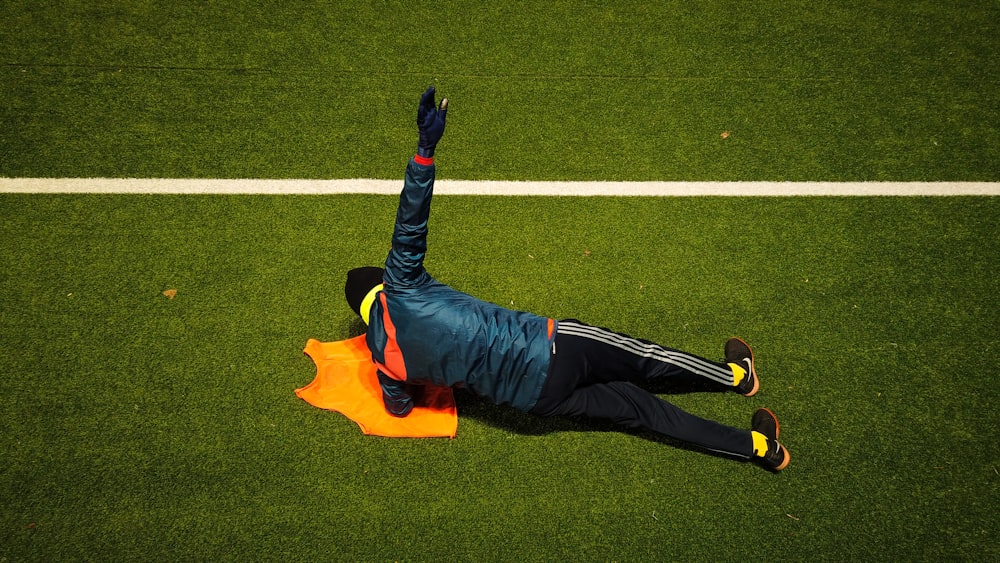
(594, 372)
(605, 356)
(623, 403)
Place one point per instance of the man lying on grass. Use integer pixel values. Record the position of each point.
(421, 331)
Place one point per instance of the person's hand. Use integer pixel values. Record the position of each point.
(430, 123)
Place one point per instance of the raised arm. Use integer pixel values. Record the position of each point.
(404, 266)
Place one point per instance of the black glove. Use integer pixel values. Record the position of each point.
(430, 123)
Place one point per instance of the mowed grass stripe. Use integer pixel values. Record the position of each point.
(470, 187)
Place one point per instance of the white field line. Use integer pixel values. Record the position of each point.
(470, 187)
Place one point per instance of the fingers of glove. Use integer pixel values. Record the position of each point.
(426, 106)
(427, 98)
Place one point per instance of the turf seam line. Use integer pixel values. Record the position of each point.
(347, 73)
(489, 187)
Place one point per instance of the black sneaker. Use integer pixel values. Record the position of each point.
(777, 457)
(739, 352)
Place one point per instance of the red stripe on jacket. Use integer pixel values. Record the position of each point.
(394, 365)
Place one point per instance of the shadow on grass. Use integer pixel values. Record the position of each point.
(506, 418)
(356, 328)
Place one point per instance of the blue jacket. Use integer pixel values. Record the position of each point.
(422, 331)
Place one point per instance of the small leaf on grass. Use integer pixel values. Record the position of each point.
(725, 134)
(170, 293)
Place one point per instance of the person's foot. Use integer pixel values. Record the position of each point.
(768, 452)
(740, 357)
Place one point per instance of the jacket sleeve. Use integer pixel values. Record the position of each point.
(396, 395)
(404, 267)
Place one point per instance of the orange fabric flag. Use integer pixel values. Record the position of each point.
(346, 381)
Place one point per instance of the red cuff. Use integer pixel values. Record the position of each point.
(423, 160)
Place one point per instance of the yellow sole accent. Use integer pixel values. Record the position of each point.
(739, 373)
(759, 443)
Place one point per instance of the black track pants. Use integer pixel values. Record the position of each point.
(597, 373)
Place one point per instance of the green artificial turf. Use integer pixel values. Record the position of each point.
(839, 90)
(136, 426)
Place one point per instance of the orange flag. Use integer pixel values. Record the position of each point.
(346, 381)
